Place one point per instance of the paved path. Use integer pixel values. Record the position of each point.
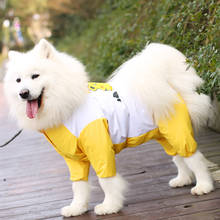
(34, 182)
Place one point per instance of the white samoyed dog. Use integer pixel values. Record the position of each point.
(151, 95)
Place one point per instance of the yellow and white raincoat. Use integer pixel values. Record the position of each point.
(107, 123)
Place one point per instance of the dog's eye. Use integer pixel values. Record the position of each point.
(18, 80)
(34, 76)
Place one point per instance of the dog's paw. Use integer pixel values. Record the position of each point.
(73, 210)
(180, 181)
(104, 208)
(202, 188)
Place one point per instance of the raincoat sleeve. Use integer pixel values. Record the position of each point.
(79, 170)
(177, 132)
(98, 147)
(66, 144)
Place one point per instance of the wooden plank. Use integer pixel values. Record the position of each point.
(175, 211)
(130, 209)
(133, 196)
(202, 215)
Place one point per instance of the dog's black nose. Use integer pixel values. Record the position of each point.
(24, 93)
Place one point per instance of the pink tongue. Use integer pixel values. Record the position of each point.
(32, 108)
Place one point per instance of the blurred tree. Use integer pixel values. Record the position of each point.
(57, 15)
(65, 14)
(25, 9)
(83, 8)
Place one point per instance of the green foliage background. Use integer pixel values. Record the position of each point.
(122, 28)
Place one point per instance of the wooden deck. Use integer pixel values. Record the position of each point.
(34, 181)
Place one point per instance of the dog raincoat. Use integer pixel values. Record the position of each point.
(107, 123)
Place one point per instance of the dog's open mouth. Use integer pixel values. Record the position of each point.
(33, 106)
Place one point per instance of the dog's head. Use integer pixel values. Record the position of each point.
(43, 86)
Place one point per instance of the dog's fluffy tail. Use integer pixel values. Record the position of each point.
(156, 76)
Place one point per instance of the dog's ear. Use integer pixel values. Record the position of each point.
(13, 54)
(44, 49)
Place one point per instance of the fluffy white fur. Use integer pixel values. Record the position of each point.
(204, 182)
(155, 77)
(56, 70)
(79, 205)
(114, 189)
(190, 169)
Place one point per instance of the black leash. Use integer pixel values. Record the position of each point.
(11, 139)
